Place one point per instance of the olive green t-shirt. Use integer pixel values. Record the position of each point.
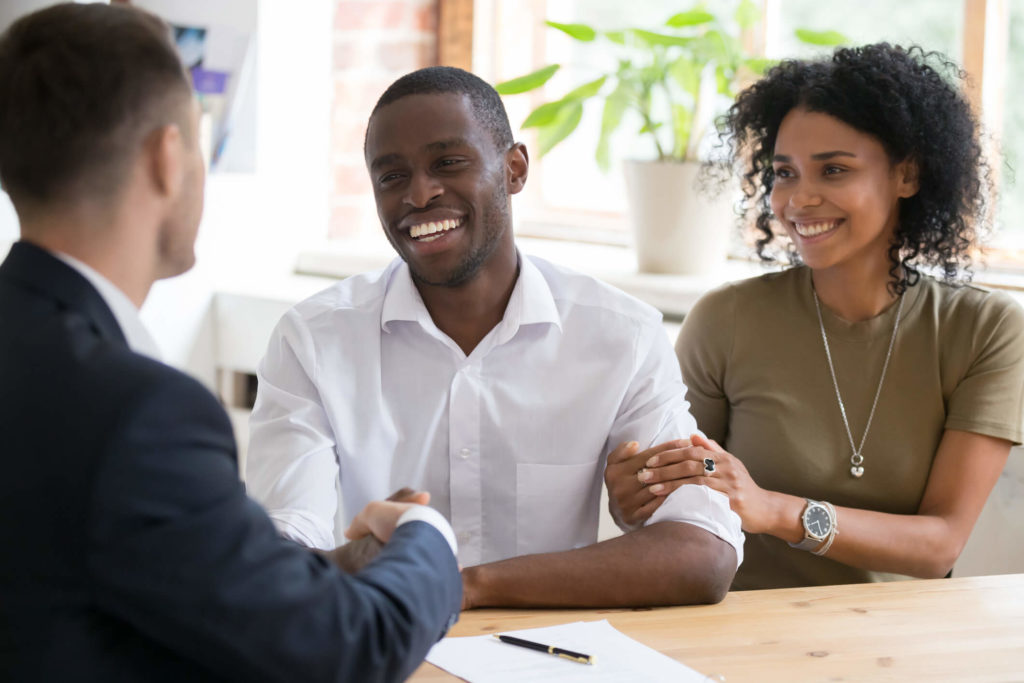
(758, 382)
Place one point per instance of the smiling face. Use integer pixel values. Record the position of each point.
(836, 192)
(442, 187)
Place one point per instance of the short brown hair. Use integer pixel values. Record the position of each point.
(81, 87)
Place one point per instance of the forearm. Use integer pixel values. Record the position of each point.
(924, 546)
(671, 563)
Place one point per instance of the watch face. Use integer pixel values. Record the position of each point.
(817, 521)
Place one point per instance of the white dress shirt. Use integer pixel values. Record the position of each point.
(510, 441)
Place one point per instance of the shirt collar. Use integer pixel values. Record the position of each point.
(127, 315)
(531, 302)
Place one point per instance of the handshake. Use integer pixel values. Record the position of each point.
(372, 528)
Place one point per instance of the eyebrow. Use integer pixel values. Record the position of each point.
(820, 156)
(436, 146)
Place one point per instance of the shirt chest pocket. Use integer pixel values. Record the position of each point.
(556, 506)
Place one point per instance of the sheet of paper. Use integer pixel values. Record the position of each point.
(484, 659)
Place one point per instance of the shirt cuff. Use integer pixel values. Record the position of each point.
(422, 513)
(706, 508)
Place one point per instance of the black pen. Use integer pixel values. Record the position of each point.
(550, 649)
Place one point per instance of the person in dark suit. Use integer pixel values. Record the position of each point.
(130, 550)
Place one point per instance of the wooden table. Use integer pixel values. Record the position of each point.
(963, 629)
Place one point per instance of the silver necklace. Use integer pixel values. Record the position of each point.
(857, 459)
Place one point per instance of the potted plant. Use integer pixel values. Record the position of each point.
(672, 83)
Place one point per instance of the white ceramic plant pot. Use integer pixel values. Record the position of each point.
(676, 228)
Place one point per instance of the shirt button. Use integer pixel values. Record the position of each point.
(464, 453)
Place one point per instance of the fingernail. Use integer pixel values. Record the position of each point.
(645, 476)
(657, 488)
(633, 445)
(652, 461)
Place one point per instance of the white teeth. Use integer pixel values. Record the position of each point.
(814, 229)
(433, 227)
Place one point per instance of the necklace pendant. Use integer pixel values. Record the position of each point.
(857, 471)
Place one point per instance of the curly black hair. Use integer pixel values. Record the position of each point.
(903, 98)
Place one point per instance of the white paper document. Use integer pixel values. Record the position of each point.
(485, 659)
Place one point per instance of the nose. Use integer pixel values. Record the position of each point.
(804, 194)
(423, 188)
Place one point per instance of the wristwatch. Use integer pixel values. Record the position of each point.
(818, 524)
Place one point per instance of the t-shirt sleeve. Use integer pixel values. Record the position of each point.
(989, 399)
(703, 347)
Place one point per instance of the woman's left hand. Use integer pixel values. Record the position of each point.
(730, 476)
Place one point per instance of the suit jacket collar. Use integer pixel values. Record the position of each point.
(35, 268)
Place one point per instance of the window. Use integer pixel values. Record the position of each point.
(565, 189)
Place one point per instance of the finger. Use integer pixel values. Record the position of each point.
(402, 493)
(686, 453)
(665, 473)
(645, 511)
(704, 442)
(357, 529)
(623, 451)
(664, 489)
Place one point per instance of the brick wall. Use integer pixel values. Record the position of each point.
(375, 42)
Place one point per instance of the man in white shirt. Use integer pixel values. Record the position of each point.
(496, 382)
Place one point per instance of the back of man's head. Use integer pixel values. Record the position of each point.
(81, 87)
(487, 105)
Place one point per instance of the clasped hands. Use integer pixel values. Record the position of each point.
(372, 528)
(639, 481)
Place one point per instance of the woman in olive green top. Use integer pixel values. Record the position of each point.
(864, 408)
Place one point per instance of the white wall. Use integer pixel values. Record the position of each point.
(254, 224)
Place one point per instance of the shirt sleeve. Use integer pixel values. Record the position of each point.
(989, 399)
(422, 513)
(292, 467)
(655, 411)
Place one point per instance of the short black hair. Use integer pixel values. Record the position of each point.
(81, 86)
(907, 99)
(488, 109)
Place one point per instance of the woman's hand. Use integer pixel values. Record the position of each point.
(630, 501)
(670, 469)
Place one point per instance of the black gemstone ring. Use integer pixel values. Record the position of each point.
(709, 466)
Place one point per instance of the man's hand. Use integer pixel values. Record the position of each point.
(379, 517)
(630, 501)
(359, 552)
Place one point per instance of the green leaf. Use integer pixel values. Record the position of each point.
(580, 32)
(652, 38)
(758, 65)
(587, 90)
(682, 123)
(686, 73)
(530, 81)
(617, 37)
(565, 123)
(614, 107)
(825, 38)
(747, 14)
(713, 47)
(722, 81)
(650, 127)
(694, 17)
(545, 114)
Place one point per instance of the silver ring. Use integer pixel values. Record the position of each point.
(638, 473)
(709, 467)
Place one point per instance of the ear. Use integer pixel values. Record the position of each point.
(907, 177)
(165, 150)
(517, 167)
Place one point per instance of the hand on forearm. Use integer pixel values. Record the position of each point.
(630, 502)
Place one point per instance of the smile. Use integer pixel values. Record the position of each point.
(817, 228)
(428, 232)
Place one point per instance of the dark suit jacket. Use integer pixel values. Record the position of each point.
(128, 548)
